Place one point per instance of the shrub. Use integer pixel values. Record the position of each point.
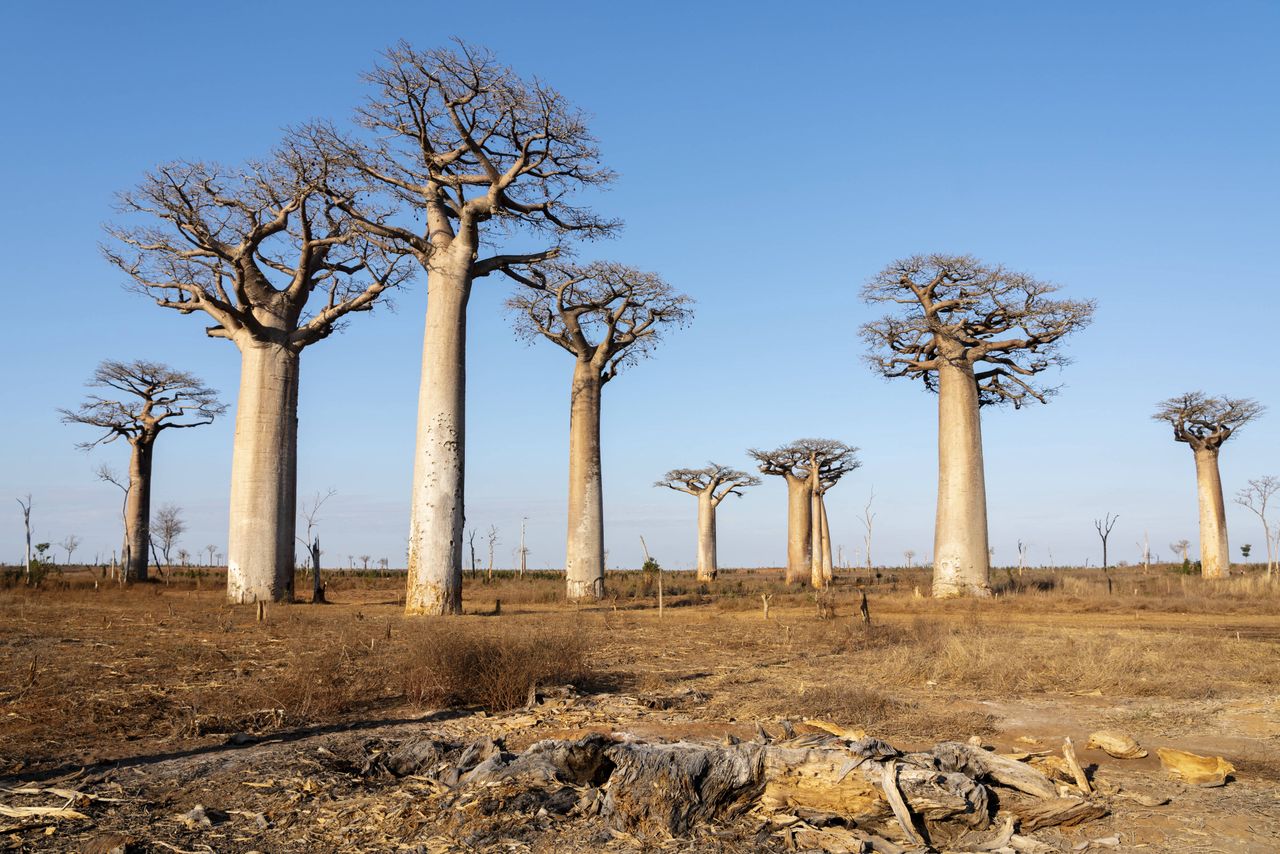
(495, 669)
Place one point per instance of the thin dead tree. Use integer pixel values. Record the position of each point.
(608, 317)
(710, 484)
(1204, 423)
(910, 556)
(480, 154)
(492, 538)
(809, 467)
(1255, 498)
(26, 524)
(278, 264)
(868, 520)
(150, 398)
(311, 516)
(1104, 527)
(978, 335)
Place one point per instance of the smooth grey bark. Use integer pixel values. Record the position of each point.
(708, 567)
(264, 475)
(961, 557)
(437, 504)
(1215, 553)
(799, 529)
(137, 509)
(584, 545)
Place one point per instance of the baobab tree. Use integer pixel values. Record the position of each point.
(710, 484)
(151, 398)
(1255, 498)
(478, 153)
(977, 335)
(608, 317)
(810, 468)
(276, 259)
(1204, 423)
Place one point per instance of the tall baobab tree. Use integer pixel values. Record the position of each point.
(608, 317)
(478, 153)
(978, 335)
(1255, 498)
(810, 468)
(1204, 423)
(710, 484)
(149, 398)
(278, 263)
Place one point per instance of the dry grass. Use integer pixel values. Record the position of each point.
(492, 666)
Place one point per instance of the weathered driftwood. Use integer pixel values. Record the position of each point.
(1073, 765)
(837, 790)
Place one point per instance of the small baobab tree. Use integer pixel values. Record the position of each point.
(978, 335)
(810, 468)
(146, 398)
(278, 263)
(910, 557)
(1204, 423)
(608, 317)
(1255, 498)
(1104, 527)
(69, 545)
(166, 528)
(477, 153)
(1181, 547)
(710, 484)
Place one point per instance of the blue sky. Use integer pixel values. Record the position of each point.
(771, 159)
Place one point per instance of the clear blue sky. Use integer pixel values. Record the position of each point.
(771, 159)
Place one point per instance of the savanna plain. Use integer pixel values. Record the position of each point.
(158, 718)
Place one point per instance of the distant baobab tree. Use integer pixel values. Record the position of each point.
(250, 247)
(1255, 498)
(710, 484)
(476, 153)
(910, 556)
(1180, 547)
(212, 550)
(810, 467)
(608, 317)
(1205, 423)
(978, 335)
(152, 397)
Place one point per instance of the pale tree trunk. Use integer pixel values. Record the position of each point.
(436, 512)
(264, 473)
(1215, 555)
(799, 531)
(137, 513)
(707, 568)
(584, 558)
(961, 564)
(828, 567)
(816, 579)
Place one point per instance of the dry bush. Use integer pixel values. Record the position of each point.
(494, 666)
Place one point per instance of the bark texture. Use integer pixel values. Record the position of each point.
(437, 505)
(799, 530)
(707, 562)
(137, 511)
(264, 476)
(1215, 552)
(584, 545)
(961, 563)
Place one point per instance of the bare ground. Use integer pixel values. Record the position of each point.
(137, 705)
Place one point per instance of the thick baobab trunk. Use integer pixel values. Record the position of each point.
(1215, 555)
(707, 568)
(264, 474)
(584, 557)
(961, 563)
(799, 533)
(137, 513)
(436, 512)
